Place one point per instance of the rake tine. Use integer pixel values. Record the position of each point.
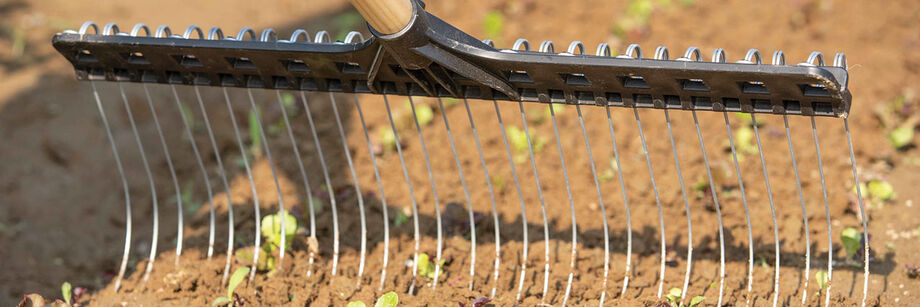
(271, 164)
(354, 178)
(485, 171)
(402, 161)
(332, 201)
(600, 199)
(715, 200)
(533, 163)
(568, 190)
(616, 156)
(766, 178)
(223, 177)
(683, 193)
(827, 214)
(204, 172)
(303, 173)
(517, 185)
(124, 184)
(648, 161)
(383, 198)
(466, 193)
(798, 183)
(172, 173)
(434, 191)
(153, 192)
(862, 213)
(747, 213)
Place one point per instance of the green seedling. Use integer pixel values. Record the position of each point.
(425, 266)
(66, 292)
(423, 113)
(881, 190)
(356, 304)
(746, 119)
(744, 140)
(519, 144)
(255, 134)
(238, 275)
(389, 299)
(271, 229)
(492, 24)
(400, 218)
(673, 298)
(901, 137)
(610, 172)
(851, 239)
(388, 139)
(821, 277)
(499, 182)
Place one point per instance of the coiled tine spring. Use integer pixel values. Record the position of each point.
(162, 31)
(354, 37)
(489, 42)
(718, 55)
(268, 35)
(576, 47)
(86, 26)
(110, 29)
(840, 60)
(215, 34)
(779, 58)
(138, 27)
(632, 52)
(322, 37)
(521, 43)
(193, 29)
(299, 33)
(752, 57)
(815, 59)
(661, 53)
(240, 35)
(692, 54)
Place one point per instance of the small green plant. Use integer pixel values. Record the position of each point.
(492, 24)
(499, 182)
(821, 277)
(901, 137)
(673, 298)
(400, 218)
(356, 304)
(271, 230)
(852, 241)
(389, 299)
(238, 275)
(518, 140)
(610, 172)
(66, 292)
(387, 140)
(881, 190)
(426, 267)
(744, 141)
(424, 114)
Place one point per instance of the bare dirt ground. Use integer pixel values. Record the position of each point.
(62, 208)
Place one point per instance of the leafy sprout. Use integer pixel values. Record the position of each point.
(424, 114)
(518, 139)
(851, 239)
(66, 291)
(254, 132)
(271, 229)
(426, 267)
(674, 295)
(356, 304)
(822, 278)
(901, 137)
(492, 24)
(389, 299)
(238, 275)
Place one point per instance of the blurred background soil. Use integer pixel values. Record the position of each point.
(62, 209)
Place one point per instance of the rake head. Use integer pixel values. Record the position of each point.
(413, 53)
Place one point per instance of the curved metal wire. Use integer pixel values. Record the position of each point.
(683, 193)
(747, 211)
(383, 197)
(517, 185)
(651, 173)
(798, 184)
(153, 192)
(715, 199)
(766, 178)
(434, 192)
(169, 165)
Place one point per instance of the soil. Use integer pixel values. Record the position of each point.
(62, 207)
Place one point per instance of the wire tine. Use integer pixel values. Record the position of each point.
(303, 174)
(383, 198)
(568, 190)
(485, 171)
(271, 164)
(616, 157)
(648, 161)
(715, 199)
(683, 193)
(332, 201)
(517, 185)
(766, 178)
(124, 184)
(600, 199)
(434, 192)
(204, 172)
(862, 213)
(466, 193)
(798, 183)
(354, 178)
(172, 173)
(747, 212)
(153, 192)
(533, 163)
(252, 184)
(402, 161)
(827, 214)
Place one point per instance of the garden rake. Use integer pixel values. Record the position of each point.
(413, 53)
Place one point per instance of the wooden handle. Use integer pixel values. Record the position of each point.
(386, 16)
